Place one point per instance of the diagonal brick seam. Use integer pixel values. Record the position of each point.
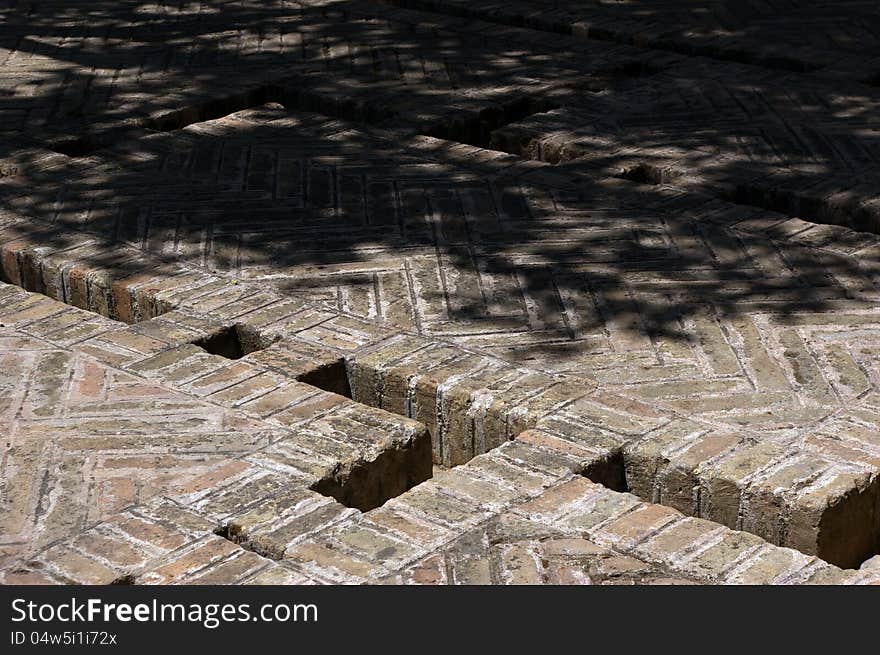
(84, 113)
(360, 455)
(730, 486)
(61, 556)
(91, 288)
(436, 533)
(844, 201)
(171, 539)
(558, 537)
(29, 263)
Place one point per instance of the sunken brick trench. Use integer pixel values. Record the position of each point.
(361, 292)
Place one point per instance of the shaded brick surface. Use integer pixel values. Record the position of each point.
(359, 238)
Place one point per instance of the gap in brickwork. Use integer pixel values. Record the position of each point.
(341, 375)
(363, 485)
(855, 215)
(371, 484)
(476, 129)
(647, 174)
(292, 95)
(334, 377)
(229, 532)
(234, 534)
(638, 174)
(330, 377)
(610, 472)
(792, 203)
(80, 146)
(231, 342)
(845, 533)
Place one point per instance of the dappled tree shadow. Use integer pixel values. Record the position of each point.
(374, 222)
(793, 35)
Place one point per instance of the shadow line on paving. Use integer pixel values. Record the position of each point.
(733, 347)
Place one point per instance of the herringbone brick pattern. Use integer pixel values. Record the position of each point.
(65, 78)
(754, 324)
(761, 135)
(761, 327)
(798, 35)
(749, 137)
(83, 441)
(532, 554)
(531, 268)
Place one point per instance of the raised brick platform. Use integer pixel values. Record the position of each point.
(379, 294)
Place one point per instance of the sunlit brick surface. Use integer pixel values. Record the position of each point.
(361, 292)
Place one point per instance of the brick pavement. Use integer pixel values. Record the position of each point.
(310, 248)
(796, 35)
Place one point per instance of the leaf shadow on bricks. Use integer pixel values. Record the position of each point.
(800, 35)
(325, 208)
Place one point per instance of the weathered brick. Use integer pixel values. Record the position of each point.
(189, 562)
